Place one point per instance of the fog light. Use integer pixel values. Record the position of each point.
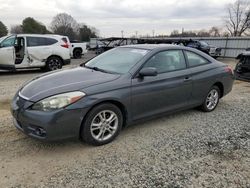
(40, 132)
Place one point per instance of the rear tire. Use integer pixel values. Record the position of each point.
(77, 53)
(53, 63)
(102, 124)
(212, 99)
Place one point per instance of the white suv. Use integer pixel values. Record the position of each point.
(48, 52)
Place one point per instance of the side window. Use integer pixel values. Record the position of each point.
(34, 41)
(167, 61)
(50, 41)
(10, 41)
(193, 44)
(40, 41)
(195, 59)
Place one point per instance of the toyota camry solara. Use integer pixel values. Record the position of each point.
(126, 84)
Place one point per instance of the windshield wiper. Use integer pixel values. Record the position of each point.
(101, 70)
(95, 68)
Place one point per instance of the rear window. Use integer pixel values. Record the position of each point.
(65, 39)
(245, 60)
(40, 41)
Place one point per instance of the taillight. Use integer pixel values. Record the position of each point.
(65, 45)
(228, 69)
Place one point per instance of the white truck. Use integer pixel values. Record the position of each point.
(78, 49)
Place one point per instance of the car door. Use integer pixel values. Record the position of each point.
(7, 52)
(203, 76)
(38, 50)
(169, 90)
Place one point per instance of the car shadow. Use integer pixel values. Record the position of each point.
(71, 145)
(24, 71)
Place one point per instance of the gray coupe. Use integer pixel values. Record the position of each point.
(117, 88)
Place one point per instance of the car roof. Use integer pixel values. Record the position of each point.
(38, 35)
(159, 47)
(154, 46)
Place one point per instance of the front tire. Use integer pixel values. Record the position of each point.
(212, 99)
(102, 124)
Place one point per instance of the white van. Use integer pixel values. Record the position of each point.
(48, 52)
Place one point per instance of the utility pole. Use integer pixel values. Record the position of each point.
(153, 32)
(122, 33)
(136, 32)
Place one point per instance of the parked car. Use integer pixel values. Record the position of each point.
(48, 52)
(213, 51)
(242, 68)
(117, 88)
(78, 49)
(200, 45)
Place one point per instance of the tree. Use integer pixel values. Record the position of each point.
(85, 33)
(238, 20)
(16, 29)
(3, 29)
(175, 33)
(30, 25)
(203, 33)
(65, 24)
(214, 32)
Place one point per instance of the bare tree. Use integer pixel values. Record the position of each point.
(175, 33)
(65, 24)
(203, 33)
(215, 32)
(238, 17)
(16, 29)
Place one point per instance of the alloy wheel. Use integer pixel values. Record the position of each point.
(212, 99)
(54, 64)
(104, 125)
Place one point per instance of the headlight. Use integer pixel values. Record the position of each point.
(58, 101)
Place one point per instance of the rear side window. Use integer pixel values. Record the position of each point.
(65, 39)
(40, 41)
(167, 61)
(195, 59)
(50, 41)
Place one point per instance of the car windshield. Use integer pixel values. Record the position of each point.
(118, 60)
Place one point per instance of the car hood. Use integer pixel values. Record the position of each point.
(63, 81)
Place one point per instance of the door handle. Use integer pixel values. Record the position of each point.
(187, 79)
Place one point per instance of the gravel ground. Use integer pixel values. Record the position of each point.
(186, 149)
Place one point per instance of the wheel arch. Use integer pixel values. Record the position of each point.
(77, 48)
(55, 56)
(221, 87)
(111, 101)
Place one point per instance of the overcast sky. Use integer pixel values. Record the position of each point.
(112, 16)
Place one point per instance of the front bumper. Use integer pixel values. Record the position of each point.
(56, 125)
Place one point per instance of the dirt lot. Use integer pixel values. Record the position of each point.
(187, 149)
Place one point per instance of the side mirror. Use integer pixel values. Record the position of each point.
(148, 71)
